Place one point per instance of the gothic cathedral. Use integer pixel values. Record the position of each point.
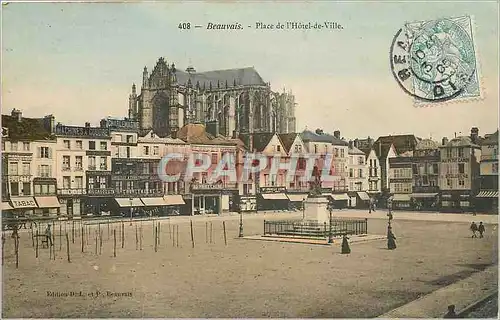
(228, 102)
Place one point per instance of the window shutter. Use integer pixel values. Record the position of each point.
(50, 171)
(39, 152)
(50, 152)
(39, 173)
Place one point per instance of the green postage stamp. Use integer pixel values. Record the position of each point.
(436, 60)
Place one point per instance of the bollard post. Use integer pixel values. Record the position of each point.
(224, 227)
(136, 239)
(16, 244)
(156, 238)
(114, 243)
(67, 247)
(192, 234)
(36, 247)
(82, 237)
(123, 235)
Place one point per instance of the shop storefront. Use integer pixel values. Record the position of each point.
(424, 201)
(401, 201)
(47, 206)
(340, 200)
(297, 200)
(487, 201)
(23, 206)
(273, 199)
(456, 201)
(129, 207)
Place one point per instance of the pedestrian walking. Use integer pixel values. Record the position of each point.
(451, 314)
(473, 228)
(345, 245)
(48, 234)
(370, 205)
(480, 228)
(391, 239)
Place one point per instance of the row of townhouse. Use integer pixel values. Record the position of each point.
(112, 169)
(455, 175)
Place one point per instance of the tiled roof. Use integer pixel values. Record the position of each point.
(307, 135)
(243, 76)
(261, 140)
(355, 150)
(26, 129)
(194, 133)
(402, 142)
(425, 144)
(287, 139)
(490, 139)
(382, 150)
(462, 141)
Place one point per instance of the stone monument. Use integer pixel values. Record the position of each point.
(316, 205)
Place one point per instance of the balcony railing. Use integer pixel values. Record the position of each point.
(92, 167)
(77, 169)
(72, 191)
(101, 192)
(340, 189)
(138, 192)
(298, 189)
(213, 186)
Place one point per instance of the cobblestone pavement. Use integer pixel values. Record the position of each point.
(487, 310)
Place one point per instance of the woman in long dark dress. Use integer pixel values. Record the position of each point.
(391, 243)
(345, 245)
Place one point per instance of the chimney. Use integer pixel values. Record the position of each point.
(351, 144)
(336, 134)
(356, 143)
(87, 124)
(235, 134)
(17, 114)
(474, 134)
(444, 141)
(370, 142)
(319, 131)
(173, 134)
(49, 123)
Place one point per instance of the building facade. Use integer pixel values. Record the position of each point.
(358, 177)
(487, 198)
(28, 183)
(230, 100)
(401, 180)
(425, 169)
(459, 173)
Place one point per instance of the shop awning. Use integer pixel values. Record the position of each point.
(401, 197)
(340, 196)
(174, 200)
(424, 195)
(326, 195)
(487, 194)
(154, 202)
(297, 197)
(274, 196)
(129, 202)
(6, 206)
(47, 202)
(364, 196)
(23, 202)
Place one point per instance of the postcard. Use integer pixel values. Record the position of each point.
(257, 159)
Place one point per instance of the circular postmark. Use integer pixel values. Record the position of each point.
(434, 61)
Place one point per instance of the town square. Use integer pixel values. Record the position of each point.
(249, 160)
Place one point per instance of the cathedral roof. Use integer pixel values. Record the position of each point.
(243, 77)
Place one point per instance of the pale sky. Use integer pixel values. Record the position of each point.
(78, 61)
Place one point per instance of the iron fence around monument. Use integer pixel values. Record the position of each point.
(307, 228)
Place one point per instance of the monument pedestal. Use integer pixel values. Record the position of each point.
(316, 209)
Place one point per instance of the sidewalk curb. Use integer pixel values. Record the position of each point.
(478, 303)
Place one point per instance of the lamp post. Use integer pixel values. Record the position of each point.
(304, 209)
(131, 201)
(241, 223)
(330, 234)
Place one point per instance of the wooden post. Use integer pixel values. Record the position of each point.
(16, 244)
(140, 238)
(32, 236)
(73, 232)
(192, 234)
(173, 237)
(114, 243)
(159, 232)
(177, 236)
(108, 229)
(156, 239)
(206, 231)
(136, 239)
(100, 243)
(60, 236)
(211, 231)
(224, 227)
(67, 247)
(169, 229)
(96, 244)
(83, 242)
(3, 245)
(36, 247)
(123, 235)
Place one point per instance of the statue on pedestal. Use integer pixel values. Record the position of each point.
(315, 186)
